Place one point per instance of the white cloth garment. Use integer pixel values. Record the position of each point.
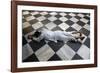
(55, 35)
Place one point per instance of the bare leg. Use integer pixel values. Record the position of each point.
(75, 32)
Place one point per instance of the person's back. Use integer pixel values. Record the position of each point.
(47, 34)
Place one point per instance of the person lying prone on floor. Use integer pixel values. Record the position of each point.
(49, 35)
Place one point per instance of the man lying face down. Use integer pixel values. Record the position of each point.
(64, 36)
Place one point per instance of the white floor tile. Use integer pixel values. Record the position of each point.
(26, 51)
(62, 14)
(87, 27)
(25, 12)
(63, 26)
(80, 15)
(65, 53)
(76, 26)
(53, 18)
(37, 25)
(41, 18)
(53, 13)
(63, 19)
(50, 25)
(84, 20)
(25, 25)
(34, 13)
(44, 13)
(44, 53)
(30, 18)
(74, 19)
(84, 52)
(72, 14)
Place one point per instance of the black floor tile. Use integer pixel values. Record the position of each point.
(54, 58)
(24, 41)
(31, 58)
(55, 46)
(36, 45)
(77, 57)
(87, 42)
(75, 46)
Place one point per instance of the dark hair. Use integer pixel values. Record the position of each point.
(36, 34)
(82, 38)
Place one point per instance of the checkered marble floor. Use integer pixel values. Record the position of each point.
(33, 51)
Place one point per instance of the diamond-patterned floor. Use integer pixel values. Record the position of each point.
(33, 51)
